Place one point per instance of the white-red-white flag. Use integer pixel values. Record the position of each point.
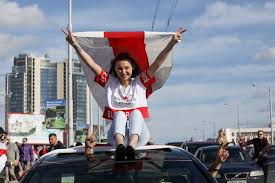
(144, 47)
(3, 157)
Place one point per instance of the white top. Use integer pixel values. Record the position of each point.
(125, 99)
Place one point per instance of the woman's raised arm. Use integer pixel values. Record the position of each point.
(83, 54)
(164, 53)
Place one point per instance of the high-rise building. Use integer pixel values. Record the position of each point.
(35, 80)
(81, 93)
(23, 85)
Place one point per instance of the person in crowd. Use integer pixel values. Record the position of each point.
(26, 154)
(43, 150)
(35, 153)
(260, 145)
(222, 156)
(54, 143)
(125, 88)
(13, 155)
(3, 158)
(221, 139)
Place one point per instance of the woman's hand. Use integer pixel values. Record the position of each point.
(90, 141)
(222, 155)
(70, 37)
(178, 36)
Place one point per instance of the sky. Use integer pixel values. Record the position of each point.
(228, 48)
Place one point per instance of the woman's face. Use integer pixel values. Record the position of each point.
(124, 70)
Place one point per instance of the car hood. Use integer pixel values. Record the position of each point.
(246, 166)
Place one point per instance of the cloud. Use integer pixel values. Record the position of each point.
(58, 53)
(177, 109)
(270, 5)
(201, 50)
(223, 15)
(104, 18)
(268, 54)
(12, 45)
(229, 73)
(16, 16)
(210, 45)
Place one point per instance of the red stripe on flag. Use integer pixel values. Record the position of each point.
(132, 43)
(3, 151)
(124, 35)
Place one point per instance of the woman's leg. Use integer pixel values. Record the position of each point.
(116, 133)
(138, 131)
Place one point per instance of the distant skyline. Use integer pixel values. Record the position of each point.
(229, 46)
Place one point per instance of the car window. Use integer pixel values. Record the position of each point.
(209, 155)
(237, 155)
(192, 148)
(152, 167)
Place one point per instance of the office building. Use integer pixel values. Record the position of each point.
(35, 80)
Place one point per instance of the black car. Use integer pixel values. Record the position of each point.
(270, 164)
(154, 163)
(238, 168)
(193, 146)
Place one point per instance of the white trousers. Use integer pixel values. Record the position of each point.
(127, 127)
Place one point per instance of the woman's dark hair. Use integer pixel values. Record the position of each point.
(125, 56)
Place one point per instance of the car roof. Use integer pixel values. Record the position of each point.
(98, 149)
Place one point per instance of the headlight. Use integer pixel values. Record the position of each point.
(218, 176)
(256, 173)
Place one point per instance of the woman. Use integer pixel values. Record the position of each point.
(125, 90)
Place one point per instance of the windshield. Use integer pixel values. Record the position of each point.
(236, 155)
(153, 167)
(192, 148)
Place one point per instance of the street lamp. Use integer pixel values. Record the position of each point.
(238, 116)
(270, 110)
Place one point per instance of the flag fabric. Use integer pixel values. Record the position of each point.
(3, 157)
(144, 47)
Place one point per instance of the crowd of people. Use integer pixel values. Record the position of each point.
(20, 156)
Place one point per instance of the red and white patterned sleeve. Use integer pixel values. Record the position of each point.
(102, 78)
(146, 80)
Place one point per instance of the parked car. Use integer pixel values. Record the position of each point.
(154, 163)
(193, 146)
(238, 168)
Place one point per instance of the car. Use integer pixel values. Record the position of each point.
(238, 168)
(270, 163)
(193, 146)
(153, 163)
